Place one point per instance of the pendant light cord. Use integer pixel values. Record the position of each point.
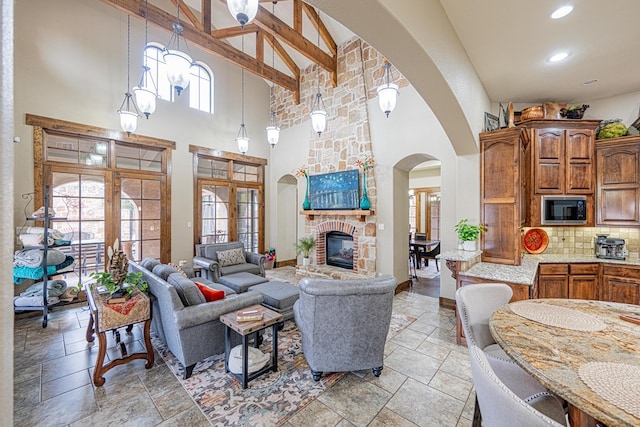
(128, 52)
(242, 83)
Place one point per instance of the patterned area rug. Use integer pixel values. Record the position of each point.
(271, 398)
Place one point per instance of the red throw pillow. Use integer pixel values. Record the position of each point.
(210, 294)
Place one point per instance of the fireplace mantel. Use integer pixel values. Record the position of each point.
(361, 213)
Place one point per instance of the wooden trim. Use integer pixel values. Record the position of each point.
(94, 131)
(360, 213)
(227, 155)
(447, 303)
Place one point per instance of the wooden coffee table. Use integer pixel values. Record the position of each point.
(270, 318)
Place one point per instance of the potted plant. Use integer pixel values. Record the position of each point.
(303, 246)
(469, 234)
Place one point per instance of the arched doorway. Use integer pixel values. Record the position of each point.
(288, 220)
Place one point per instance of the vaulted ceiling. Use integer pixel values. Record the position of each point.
(289, 30)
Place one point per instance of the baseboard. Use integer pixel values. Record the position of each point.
(447, 303)
(285, 263)
(403, 286)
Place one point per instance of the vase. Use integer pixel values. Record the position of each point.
(364, 202)
(469, 245)
(306, 205)
(305, 261)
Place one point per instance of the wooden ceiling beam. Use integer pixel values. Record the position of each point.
(288, 61)
(297, 16)
(225, 33)
(206, 16)
(164, 20)
(321, 28)
(186, 11)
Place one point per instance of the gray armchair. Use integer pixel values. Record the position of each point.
(344, 323)
(207, 258)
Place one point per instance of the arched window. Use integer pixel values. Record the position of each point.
(201, 88)
(155, 61)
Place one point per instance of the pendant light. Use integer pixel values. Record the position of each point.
(273, 131)
(146, 92)
(243, 11)
(318, 111)
(178, 63)
(128, 118)
(242, 139)
(387, 92)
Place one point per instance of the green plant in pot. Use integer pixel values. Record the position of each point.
(468, 233)
(303, 246)
(131, 279)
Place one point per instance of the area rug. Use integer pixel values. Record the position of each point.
(271, 398)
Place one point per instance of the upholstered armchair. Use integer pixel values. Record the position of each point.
(219, 259)
(344, 323)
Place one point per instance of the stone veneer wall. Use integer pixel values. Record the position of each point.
(347, 137)
(581, 240)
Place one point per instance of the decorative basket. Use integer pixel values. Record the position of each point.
(535, 112)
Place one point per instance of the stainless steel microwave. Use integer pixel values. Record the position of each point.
(564, 210)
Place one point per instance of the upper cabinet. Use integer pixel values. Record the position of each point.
(563, 154)
(618, 181)
(504, 165)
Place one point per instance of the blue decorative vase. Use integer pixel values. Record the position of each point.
(365, 204)
(306, 205)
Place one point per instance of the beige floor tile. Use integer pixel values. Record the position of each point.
(315, 413)
(388, 418)
(413, 364)
(451, 385)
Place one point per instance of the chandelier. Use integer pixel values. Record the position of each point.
(128, 118)
(318, 110)
(146, 92)
(242, 139)
(243, 11)
(273, 131)
(178, 63)
(387, 92)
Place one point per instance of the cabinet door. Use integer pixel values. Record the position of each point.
(579, 161)
(553, 286)
(621, 289)
(583, 287)
(618, 183)
(549, 161)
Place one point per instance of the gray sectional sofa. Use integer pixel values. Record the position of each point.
(182, 319)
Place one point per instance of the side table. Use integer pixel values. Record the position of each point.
(110, 317)
(270, 318)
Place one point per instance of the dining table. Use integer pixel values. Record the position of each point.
(586, 352)
(417, 245)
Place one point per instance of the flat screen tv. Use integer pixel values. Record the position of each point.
(336, 190)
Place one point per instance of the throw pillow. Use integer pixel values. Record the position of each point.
(210, 294)
(180, 270)
(231, 257)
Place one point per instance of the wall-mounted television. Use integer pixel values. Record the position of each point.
(336, 190)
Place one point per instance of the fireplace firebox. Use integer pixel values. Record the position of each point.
(339, 249)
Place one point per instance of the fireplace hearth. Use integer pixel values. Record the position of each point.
(339, 250)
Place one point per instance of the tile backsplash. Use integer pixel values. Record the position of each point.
(581, 240)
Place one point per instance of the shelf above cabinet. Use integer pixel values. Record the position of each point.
(360, 213)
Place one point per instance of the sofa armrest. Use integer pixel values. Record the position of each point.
(209, 265)
(202, 313)
(257, 259)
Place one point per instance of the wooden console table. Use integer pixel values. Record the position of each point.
(111, 317)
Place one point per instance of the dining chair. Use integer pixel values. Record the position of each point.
(503, 406)
(420, 236)
(475, 304)
(430, 254)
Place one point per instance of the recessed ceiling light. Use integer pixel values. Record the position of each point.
(558, 57)
(590, 82)
(561, 12)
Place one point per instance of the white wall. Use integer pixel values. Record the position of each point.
(425, 178)
(71, 65)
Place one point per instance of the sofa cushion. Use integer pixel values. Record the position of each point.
(187, 290)
(163, 271)
(276, 294)
(209, 293)
(231, 257)
(240, 268)
(149, 263)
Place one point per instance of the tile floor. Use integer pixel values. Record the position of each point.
(426, 380)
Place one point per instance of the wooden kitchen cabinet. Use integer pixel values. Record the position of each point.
(504, 189)
(618, 181)
(563, 162)
(621, 284)
(575, 281)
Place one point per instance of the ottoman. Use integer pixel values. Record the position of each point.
(278, 296)
(241, 282)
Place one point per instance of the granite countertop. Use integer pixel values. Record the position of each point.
(459, 255)
(525, 273)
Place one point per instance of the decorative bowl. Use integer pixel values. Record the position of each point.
(535, 112)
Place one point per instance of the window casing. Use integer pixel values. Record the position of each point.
(201, 88)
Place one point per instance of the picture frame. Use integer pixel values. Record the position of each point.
(491, 122)
(335, 190)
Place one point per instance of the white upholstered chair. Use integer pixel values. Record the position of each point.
(475, 304)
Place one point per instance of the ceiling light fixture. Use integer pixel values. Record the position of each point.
(558, 57)
(387, 92)
(243, 11)
(242, 139)
(562, 11)
(128, 119)
(178, 62)
(318, 111)
(146, 92)
(273, 131)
